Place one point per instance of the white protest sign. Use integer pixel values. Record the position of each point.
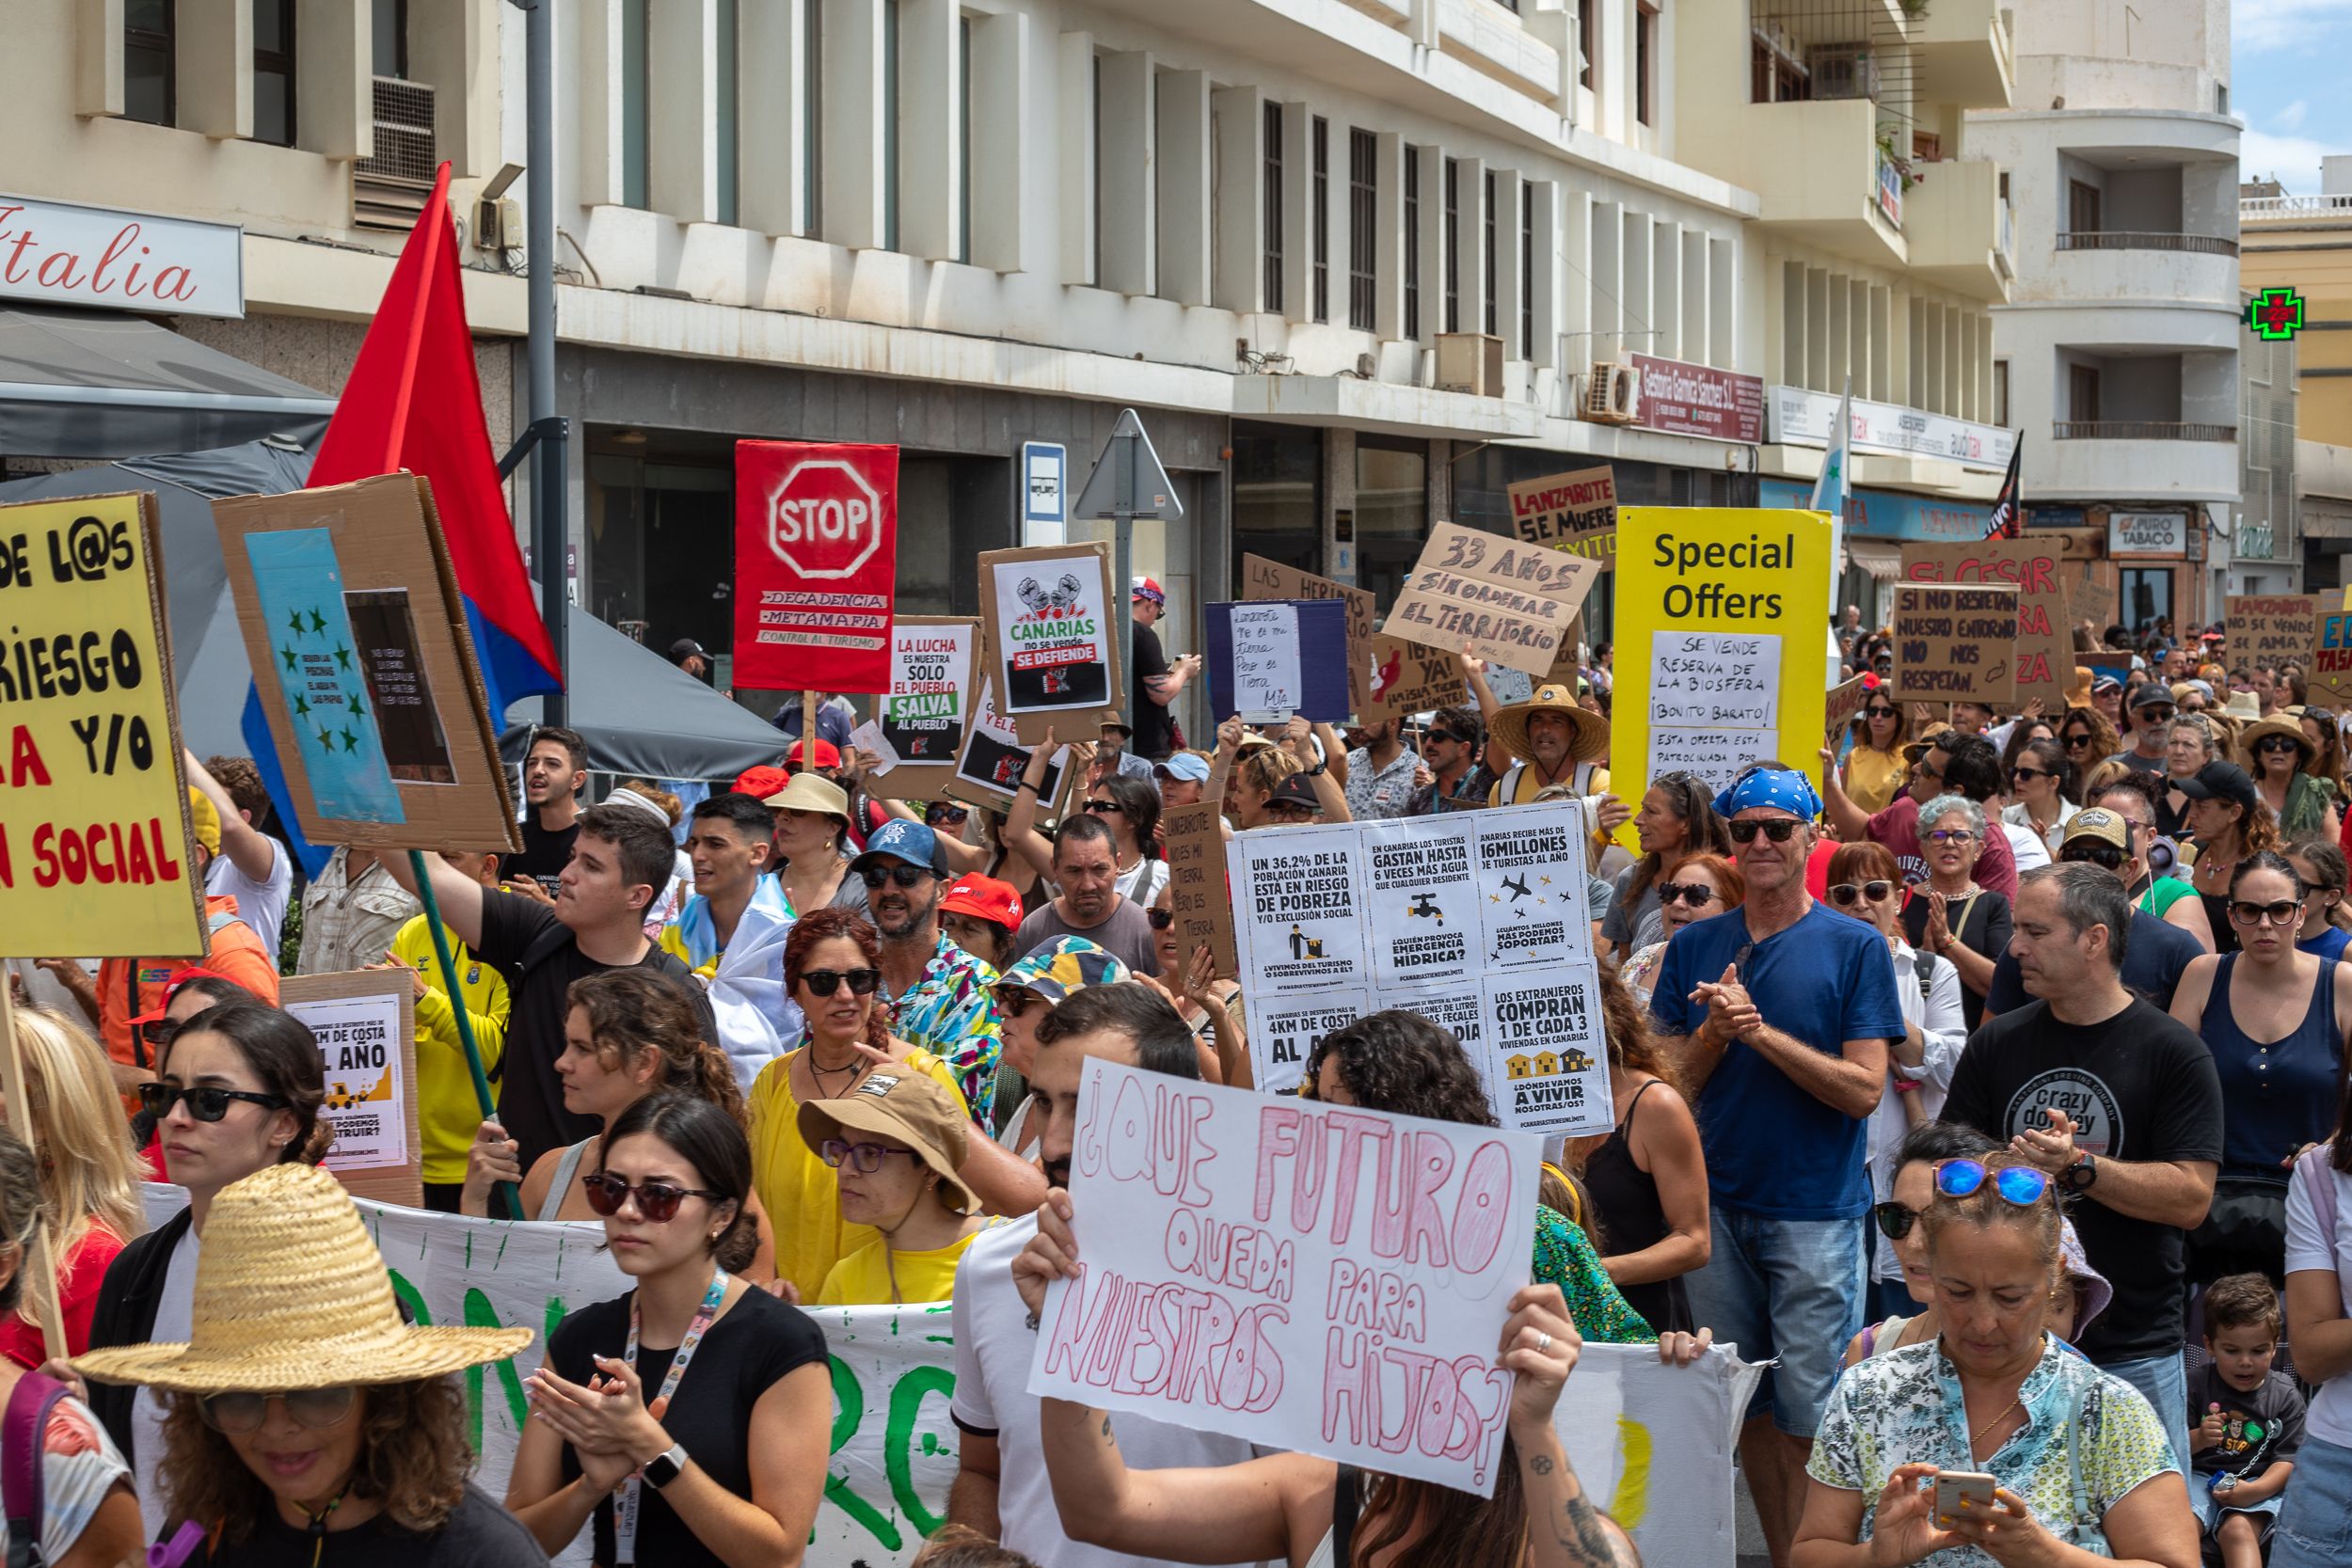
(1297, 906)
(364, 1024)
(894, 1448)
(1315, 1277)
(1652, 1443)
(1283, 1031)
(1714, 703)
(1268, 685)
(881, 756)
(1531, 885)
(1421, 900)
(1545, 1059)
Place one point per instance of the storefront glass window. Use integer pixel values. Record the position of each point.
(1278, 495)
(2147, 593)
(1391, 511)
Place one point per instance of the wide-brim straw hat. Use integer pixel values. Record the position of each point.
(290, 1293)
(2251, 735)
(1588, 732)
(808, 792)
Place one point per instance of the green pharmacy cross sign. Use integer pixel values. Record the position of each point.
(2275, 314)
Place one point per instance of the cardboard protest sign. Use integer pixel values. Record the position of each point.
(815, 565)
(366, 670)
(1507, 602)
(1573, 512)
(96, 853)
(1845, 700)
(1545, 1058)
(2330, 655)
(1297, 901)
(1292, 1273)
(929, 706)
(1195, 850)
(2269, 628)
(1050, 639)
(893, 1447)
(1262, 579)
(1270, 658)
(1421, 900)
(1283, 1031)
(365, 1022)
(1704, 594)
(1955, 644)
(2043, 660)
(989, 768)
(2089, 598)
(1406, 679)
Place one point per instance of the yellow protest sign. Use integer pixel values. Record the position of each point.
(94, 851)
(1722, 615)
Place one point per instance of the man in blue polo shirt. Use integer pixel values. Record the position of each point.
(1779, 1013)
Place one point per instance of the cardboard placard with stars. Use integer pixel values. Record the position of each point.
(364, 667)
(1531, 886)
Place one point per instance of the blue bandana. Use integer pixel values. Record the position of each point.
(1758, 785)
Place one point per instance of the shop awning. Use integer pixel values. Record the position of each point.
(79, 384)
(1882, 558)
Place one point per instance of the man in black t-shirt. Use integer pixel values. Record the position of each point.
(555, 770)
(1153, 682)
(2118, 1103)
(2156, 952)
(621, 863)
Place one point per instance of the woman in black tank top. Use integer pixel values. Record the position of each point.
(1648, 1183)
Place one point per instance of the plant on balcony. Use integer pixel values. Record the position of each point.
(1904, 169)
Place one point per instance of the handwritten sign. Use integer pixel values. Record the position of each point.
(1507, 602)
(1196, 877)
(1315, 1277)
(1407, 678)
(1714, 702)
(2269, 628)
(1845, 700)
(1270, 658)
(1262, 579)
(989, 768)
(364, 1021)
(2332, 654)
(925, 713)
(95, 851)
(2043, 661)
(1573, 512)
(1955, 644)
(1052, 644)
(2092, 600)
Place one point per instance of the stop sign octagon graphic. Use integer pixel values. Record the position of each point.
(815, 561)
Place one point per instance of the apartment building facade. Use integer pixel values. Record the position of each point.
(2119, 344)
(2300, 243)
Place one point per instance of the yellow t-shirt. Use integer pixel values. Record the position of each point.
(1874, 778)
(799, 1190)
(1532, 782)
(863, 1278)
(673, 942)
(447, 1111)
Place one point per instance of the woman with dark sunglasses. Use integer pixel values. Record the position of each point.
(240, 1092)
(1691, 888)
(2040, 789)
(2082, 1467)
(2322, 868)
(833, 968)
(1874, 770)
(731, 1467)
(1677, 818)
(2278, 756)
(2278, 1020)
(2088, 737)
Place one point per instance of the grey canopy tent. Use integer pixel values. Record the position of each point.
(639, 714)
(84, 383)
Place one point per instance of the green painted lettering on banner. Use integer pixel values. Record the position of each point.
(906, 1402)
(852, 1397)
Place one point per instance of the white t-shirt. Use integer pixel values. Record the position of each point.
(175, 1314)
(2026, 846)
(994, 1345)
(260, 905)
(2331, 1413)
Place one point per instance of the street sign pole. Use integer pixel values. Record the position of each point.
(1128, 483)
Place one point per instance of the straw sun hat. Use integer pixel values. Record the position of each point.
(290, 1293)
(1588, 732)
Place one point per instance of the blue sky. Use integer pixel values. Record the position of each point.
(2287, 85)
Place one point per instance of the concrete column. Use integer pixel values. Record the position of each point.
(1509, 284)
(852, 135)
(1388, 236)
(1340, 560)
(1605, 223)
(1696, 297)
(1339, 254)
(1238, 279)
(1885, 346)
(1180, 210)
(1429, 245)
(1665, 289)
(1074, 126)
(602, 160)
(1842, 333)
(1723, 311)
(1298, 192)
(98, 56)
(1544, 285)
(1784, 327)
(455, 45)
(772, 184)
(681, 111)
(930, 124)
(1817, 330)
(1639, 280)
(214, 48)
(1127, 173)
(335, 109)
(1000, 98)
(1469, 241)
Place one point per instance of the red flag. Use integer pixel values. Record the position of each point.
(413, 402)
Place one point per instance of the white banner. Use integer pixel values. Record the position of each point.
(1653, 1445)
(894, 1448)
(1803, 418)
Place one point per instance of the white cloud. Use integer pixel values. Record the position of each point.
(2294, 161)
(2291, 118)
(2256, 24)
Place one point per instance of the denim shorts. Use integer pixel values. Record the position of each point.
(1785, 1288)
(2210, 1510)
(2315, 1529)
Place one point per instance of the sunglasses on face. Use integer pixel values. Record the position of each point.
(1444, 738)
(2105, 855)
(204, 1104)
(2277, 743)
(2021, 1185)
(161, 1031)
(825, 982)
(864, 1159)
(2019, 775)
(1894, 1219)
(2154, 715)
(905, 876)
(1921, 771)
(2077, 740)
(1161, 919)
(1105, 808)
(944, 817)
(1697, 894)
(1779, 830)
(315, 1408)
(1013, 1001)
(1875, 891)
(656, 1201)
(2286, 912)
(1877, 713)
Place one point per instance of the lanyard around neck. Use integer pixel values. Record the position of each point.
(625, 1506)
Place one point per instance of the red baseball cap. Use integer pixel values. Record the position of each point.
(828, 755)
(983, 898)
(760, 783)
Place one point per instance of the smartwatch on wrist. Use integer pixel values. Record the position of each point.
(665, 1467)
(2079, 1177)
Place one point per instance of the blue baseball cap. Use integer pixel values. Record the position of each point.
(1189, 765)
(900, 840)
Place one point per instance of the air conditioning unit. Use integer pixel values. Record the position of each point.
(389, 189)
(1367, 367)
(1843, 70)
(1469, 363)
(1613, 394)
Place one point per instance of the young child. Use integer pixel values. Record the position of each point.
(2245, 1421)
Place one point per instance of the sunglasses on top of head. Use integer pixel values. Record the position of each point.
(2018, 1185)
(1779, 830)
(825, 982)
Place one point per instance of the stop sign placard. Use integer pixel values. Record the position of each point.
(815, 565)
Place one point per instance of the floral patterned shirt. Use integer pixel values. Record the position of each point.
(1564, 1257)
(951, 1013)
(2089, 1440)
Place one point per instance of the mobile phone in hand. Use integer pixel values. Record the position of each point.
(1951, 1486)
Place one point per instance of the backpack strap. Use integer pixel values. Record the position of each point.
(23, 1447)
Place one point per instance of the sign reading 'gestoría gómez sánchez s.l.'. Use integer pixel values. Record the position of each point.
(64, 253)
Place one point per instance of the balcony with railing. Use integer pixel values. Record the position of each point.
(2276, 209)
(2140, 430)
(2144, 426)
(2133, 239)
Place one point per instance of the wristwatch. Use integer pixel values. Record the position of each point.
(1322, 766)
(2079, 1177)
(664, 1468)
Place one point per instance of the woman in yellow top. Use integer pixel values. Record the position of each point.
(1875, 770)
(447, 1112)
(832, 968)
(896, 1142)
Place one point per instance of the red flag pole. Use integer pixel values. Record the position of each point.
(436, 218)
